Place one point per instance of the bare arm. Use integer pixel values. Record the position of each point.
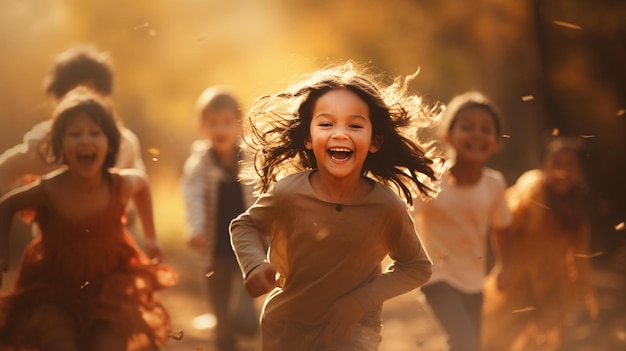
(138, 188)
(18, 199)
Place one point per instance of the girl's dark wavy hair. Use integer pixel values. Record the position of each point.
(276, 127)
(98, 108)
(76, 66)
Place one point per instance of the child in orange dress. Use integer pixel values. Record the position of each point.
(84, 284)
(548, 274)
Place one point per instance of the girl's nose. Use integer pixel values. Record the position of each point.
(340, 132)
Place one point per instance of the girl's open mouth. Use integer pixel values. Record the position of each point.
(340, 154)
(86, 158)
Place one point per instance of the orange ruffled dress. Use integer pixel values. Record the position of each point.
(549, 277)
(94, 271)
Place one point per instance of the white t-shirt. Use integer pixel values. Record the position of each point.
(454, 228)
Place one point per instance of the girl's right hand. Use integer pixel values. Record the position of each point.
(260, 280)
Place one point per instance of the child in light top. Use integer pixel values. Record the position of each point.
(454, 225)
(324, 152)
(81, 65)
(83, 283)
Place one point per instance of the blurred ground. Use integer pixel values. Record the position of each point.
(407, 322)
(407, 325)
(406, 319)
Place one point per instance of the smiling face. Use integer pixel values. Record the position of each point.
(85, 145)
(340, 134)
(563, 171)
(222, 127)
(473, 135)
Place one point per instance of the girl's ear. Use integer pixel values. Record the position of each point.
(307, 143)
(377, 142)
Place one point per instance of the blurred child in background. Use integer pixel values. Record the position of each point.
(214, 196)
(548, 275)
(455, 225)
(80, 65)
(83, 283)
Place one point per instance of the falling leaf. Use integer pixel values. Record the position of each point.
(526, 98)
(587, 136)
(84, 284)
(555, 131)
(209, 274)
(155, 159)
(621, 112)
(541, 205)
(620, 226)
(595, 254)
(506, 136)
(525, 309)
(177, 336)
(567, 25)
(141, 26)
(153, 151)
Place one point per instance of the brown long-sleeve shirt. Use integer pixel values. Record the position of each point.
(324, 251)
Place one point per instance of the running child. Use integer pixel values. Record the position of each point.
(83, 283)
(332, 155)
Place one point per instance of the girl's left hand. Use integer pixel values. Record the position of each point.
(342, 318)
(154, 251)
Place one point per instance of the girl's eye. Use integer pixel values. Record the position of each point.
(356, 126)
(325, 124)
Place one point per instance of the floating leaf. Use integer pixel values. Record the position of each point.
(177, 336)
(567, 25)
(141, 26)
(525, 309)
(595, 254)
(153, 151)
